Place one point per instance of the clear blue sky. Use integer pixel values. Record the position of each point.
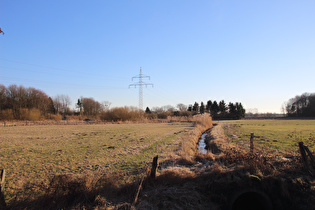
(259, 53)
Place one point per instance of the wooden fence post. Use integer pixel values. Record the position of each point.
(154, 166)
(304, 157)
(2, 199)
(251, 142)
(310, 154)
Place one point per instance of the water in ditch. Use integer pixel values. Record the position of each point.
(202, 144)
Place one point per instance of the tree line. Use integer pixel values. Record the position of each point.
(301, 105)
(219, 110)
(20, 103)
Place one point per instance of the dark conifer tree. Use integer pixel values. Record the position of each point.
(202, 108)
(147, 110)
(214, 109)
(196, 107)
(190, 108)
(232, 110)
(222, 108)
(208, 106)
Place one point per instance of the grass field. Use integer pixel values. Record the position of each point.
(32, 155)
(282, 135)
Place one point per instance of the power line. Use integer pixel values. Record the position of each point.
(140, 84)
(50, 67)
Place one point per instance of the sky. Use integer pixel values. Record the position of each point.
(259, 53)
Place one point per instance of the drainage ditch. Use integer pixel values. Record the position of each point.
(202, 146)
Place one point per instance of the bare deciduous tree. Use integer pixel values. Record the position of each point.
(168, 108)
(106, 105)
(19, 99)
(181, 107)
(91, 107)
(62, 103)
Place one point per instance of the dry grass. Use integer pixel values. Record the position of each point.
(216, 180)
(33, 155)
(85, 164)
(233, 172)
(282, 135)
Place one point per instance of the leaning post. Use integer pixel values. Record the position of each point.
(2, 180)
(310, 154)
(304, 157)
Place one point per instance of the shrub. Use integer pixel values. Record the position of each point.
(122, 114)
(56, 117)
(151, 116)
(6, 114)
(34, 114)
(30, 114)
(162, 115)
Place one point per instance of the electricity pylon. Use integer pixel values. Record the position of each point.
(140, 84)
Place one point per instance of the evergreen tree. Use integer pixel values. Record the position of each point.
(208, 106)
(202, 108)
(214, 109)
(147, 110)
(196, 107)
(232, 110)
(222, 108)
(79, 105)
(240, 111)
(190, 108)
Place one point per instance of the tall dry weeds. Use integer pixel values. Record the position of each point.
(188, 146)
(216, 184)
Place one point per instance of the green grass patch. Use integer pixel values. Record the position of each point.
(32, 155)
(277, 134)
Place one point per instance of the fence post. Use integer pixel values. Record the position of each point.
(310, 154)
(251, 142)
(154, 166)
(304, 157)
(2, 199)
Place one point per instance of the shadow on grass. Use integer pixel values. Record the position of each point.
(233, 181)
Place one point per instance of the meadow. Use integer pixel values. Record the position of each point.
(275, 134)
(33, 155)
(104, 166)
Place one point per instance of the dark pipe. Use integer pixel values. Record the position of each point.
(250, 200)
